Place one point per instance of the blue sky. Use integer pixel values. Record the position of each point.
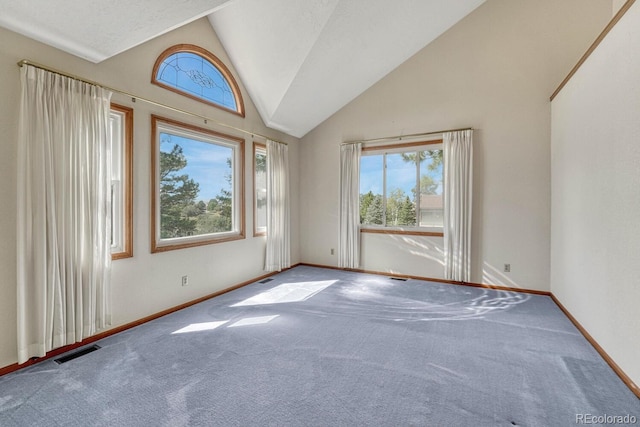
(206, 163)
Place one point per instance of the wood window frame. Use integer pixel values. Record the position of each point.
(400, 230)
(127, 172)
(238, 189)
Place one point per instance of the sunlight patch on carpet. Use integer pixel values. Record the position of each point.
(287, 292)
(198, 327)
(254, 321)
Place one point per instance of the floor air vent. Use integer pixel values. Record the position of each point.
(402, 279)
(265, 281)
(76, 354)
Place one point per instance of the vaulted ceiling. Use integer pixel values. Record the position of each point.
(300, 61)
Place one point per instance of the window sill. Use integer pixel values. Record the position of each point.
(182, 243)
(402, 232)
(121, 255)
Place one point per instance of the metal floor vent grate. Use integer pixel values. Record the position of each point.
(265, 281)
(76, 354)
(402, 279)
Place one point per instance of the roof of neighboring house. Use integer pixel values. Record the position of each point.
(431, 201)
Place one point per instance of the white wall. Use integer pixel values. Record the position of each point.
(595, 244)
(493, 71)
(145, 284)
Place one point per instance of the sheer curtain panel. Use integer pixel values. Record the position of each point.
(349, 251)
(278, 255)
(458, 183)
(64, 212)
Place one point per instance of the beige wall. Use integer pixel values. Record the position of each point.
(493, 71)
(617, 4)
(595, 150)
(147, 283)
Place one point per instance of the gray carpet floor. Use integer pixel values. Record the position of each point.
(320, 347)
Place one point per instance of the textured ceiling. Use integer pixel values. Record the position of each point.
(97, 29)
(301, 61)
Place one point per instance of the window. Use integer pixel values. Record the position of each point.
(121, 130)
(260, 187)
(401, 186)
(197, 186)
(198, 74)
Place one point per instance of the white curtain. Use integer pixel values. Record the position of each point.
(64, 212)
(278, 255)
(349, 251)
(458, 183)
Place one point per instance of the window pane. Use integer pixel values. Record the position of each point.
(371, 190)
(121, 137)
(431, 204)
(261, 188)
(407, 186)
(197, 184)
(401, 189)
(197, 76)
(196, 187)
(116, 121)
(117, 134)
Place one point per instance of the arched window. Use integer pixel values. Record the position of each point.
(197, 73)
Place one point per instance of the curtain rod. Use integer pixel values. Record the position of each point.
(400, 137)
(148, 101)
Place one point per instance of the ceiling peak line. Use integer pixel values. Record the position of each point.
(401, 137)
(134, 98)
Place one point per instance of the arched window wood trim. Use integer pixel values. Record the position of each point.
(213, 60)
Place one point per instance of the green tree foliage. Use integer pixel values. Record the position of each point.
(407, 212)
(261, 162)
(374, 214)
(220, 218)
(427, 185)
(219, 213)
(394, 203)
(365, 201)
(191, 211)
(434, 155)
(400, 210)
(177, 192)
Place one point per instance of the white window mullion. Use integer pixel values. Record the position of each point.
(418, 190)
(384, 190)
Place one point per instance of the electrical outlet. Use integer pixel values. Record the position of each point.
(507, 268)
(332, 251)
(185, 280)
